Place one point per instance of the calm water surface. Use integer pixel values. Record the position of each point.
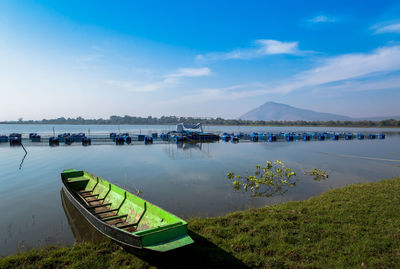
(188, 181)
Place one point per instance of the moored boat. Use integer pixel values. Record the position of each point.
(123, 216)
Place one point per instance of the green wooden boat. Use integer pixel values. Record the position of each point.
(123, 216)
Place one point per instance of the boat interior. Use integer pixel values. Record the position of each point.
(116, 206)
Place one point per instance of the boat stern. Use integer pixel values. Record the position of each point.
(166, 238)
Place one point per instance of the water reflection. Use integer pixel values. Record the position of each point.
(81, 228)
(22, 161)
(270, 191)
(188, 150)
(188, 146)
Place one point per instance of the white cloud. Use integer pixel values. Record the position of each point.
(357, 72)
(391, 28)
(277, 47)
(362, 85)
(322, 19)
(191, 72)
(167, 81)
(345, 67)
(232, 92)
(262, 47)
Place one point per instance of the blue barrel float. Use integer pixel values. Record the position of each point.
(77, 137)
(148, 140)
(306, 137)
(15, 139)
(381, 136)
(68, 140)
(164, 137)
(112, 136)
(254, 137)
(34, 137)
(321, 137)
(86, 141)
(226, 137)
(119, 140)
(54, 141)
(372, 136)
(272, 138)
(348, 136)
(360, 136)
(63, 137)
(235, 139)
(128, 139)
(335, 137)
(3, 139)
(289, 137)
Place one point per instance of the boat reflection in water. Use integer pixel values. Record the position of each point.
(80, 227)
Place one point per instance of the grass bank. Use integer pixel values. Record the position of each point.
(355, 226)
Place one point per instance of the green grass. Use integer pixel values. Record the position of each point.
(355, 226)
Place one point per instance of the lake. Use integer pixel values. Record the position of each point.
(187, 180)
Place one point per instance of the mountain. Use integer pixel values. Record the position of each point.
(282, 112)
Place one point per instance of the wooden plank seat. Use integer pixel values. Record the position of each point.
(83, 192)
(95, 200)
(130, 225)
(90, 195)
(99, 205)
(115, 217)
(106, 213)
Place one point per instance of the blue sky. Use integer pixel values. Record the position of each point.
(197, 58)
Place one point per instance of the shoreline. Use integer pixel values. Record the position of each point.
(354, 226)
(206, 124)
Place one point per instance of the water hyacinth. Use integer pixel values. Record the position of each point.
(268, 180)
(317, 174)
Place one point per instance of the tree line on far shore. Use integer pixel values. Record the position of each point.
(118, 120)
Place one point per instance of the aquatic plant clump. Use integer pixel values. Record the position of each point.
(317, 174)
(268, 180)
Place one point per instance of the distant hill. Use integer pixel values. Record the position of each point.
(281, 112)
(378, 118)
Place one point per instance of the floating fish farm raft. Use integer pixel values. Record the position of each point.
(181, 135)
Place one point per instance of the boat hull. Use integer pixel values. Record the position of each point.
(121, 237)
(159, 238)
